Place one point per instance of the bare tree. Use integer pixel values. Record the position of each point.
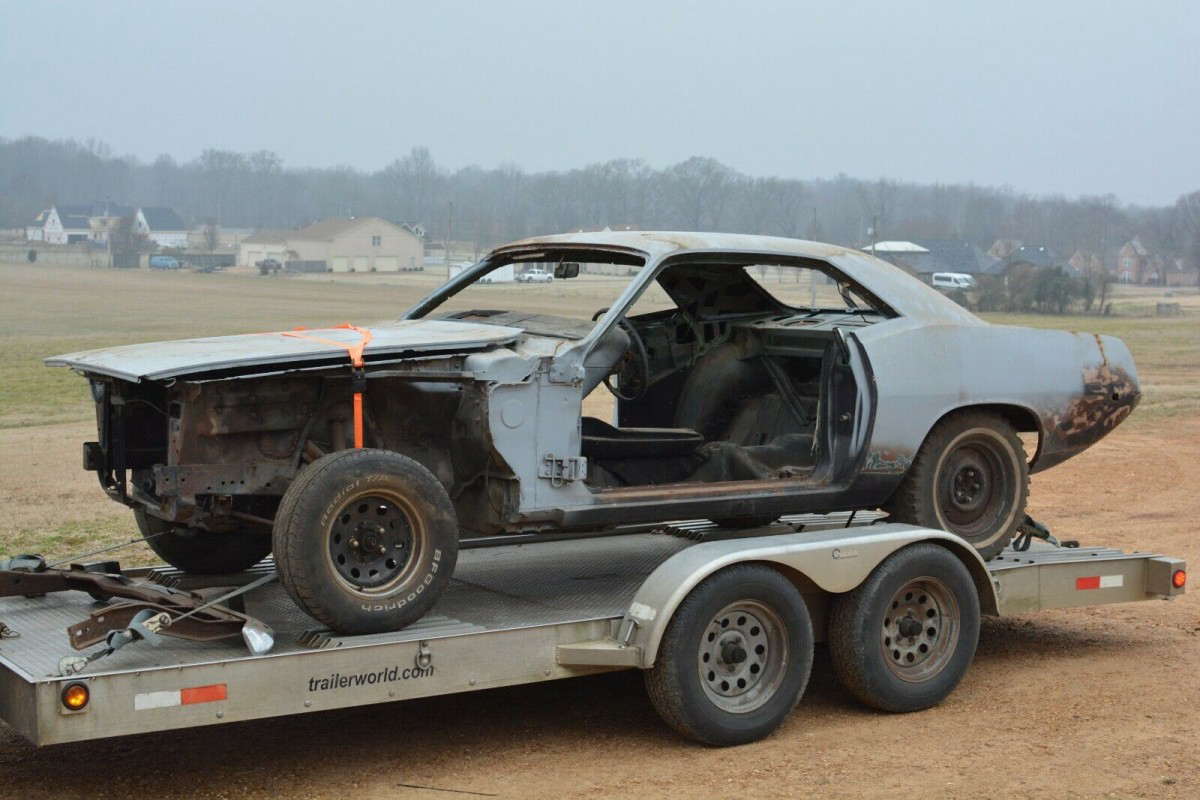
(212, 237)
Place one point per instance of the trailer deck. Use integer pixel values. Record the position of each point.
(515, 613)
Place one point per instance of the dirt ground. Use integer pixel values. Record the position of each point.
(1080, 703)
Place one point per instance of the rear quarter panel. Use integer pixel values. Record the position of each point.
(1077, 386)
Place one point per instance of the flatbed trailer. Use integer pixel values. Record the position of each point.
(531, 610)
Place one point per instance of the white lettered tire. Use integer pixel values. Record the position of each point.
(365, 540)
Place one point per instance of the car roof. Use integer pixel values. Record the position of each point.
(907, 295)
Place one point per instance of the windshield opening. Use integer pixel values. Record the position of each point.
(570, 284)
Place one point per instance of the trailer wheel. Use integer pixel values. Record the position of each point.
(903, 639)
(970, 478)
(202, 552)
(365, 540)
(735, 657)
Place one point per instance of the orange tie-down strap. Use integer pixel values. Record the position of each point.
(355, 351)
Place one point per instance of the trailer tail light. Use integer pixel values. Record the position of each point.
(75, 696)
(1179, 579)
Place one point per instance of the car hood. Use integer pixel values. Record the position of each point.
(190, 358)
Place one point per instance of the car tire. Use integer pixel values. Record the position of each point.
(735, 657)
(903, 639)
(970, 478)
(366, 540)
(200, 552)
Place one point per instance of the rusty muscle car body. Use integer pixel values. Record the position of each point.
(732, 404)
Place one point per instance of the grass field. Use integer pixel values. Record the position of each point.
(53, 506)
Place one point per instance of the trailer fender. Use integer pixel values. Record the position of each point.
(835, 561)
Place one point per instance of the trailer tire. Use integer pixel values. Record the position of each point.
(366, 540)
(970, 478)
(735, 657)
(910, 662)
(202, 552)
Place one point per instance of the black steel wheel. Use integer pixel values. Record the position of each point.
(970, 478)
(735, 657)
(201, 552)
(366, 540)
(903, 639)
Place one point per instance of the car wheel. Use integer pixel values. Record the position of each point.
(970, 478)
(366, 540)
(200, 552)
(903, 639)
(735, 657)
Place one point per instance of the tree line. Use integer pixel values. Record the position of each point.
(492, 206)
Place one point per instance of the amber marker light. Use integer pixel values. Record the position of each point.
(75, 696)
(1179, 579)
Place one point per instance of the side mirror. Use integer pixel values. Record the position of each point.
(569, 269)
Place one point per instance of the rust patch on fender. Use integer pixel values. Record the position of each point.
(886, 460)
(1109, 396)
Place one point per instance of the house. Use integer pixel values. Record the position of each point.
(35, 230)
(358, 244)
(343, 244)
(1088, 263)
(161, 225)
(1182, 272)
(264, 245)
(435, 254)
(1003, 248)
(76, 224)
(924, 257)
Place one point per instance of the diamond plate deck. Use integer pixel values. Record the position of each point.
(494, 588)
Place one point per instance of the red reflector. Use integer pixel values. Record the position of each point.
(1179, 579)
(1090, 582)
(202, 694)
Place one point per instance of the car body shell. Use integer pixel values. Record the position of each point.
(920, 358)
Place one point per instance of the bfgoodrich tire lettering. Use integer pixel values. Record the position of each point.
(366, 540)
(903, 639)
(735, 657)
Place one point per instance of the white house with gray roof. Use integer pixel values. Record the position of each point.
(161, 225)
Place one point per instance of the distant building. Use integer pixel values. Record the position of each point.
(1129, 261)
(1182, 272)
(35, 230)
(1003, 248)
(1085, 262)
(161, 225)
(76, 224)
(924, 257)
(263, 245)
(362, 244)
(1135, 264)
(95, 222)
(1039, 257)
(435, 254)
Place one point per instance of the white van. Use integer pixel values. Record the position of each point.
(952, 280)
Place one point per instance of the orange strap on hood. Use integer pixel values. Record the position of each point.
(355, 351)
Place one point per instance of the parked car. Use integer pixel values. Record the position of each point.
(769, 377)
(952, 280)
(268, 266)
(165, 262)
(535, 276)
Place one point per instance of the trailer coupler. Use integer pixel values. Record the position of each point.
(149, 609)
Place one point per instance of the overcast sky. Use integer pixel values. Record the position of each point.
(1045, 97)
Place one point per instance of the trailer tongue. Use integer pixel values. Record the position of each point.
(727, 618)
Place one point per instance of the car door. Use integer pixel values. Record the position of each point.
(849, 414)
